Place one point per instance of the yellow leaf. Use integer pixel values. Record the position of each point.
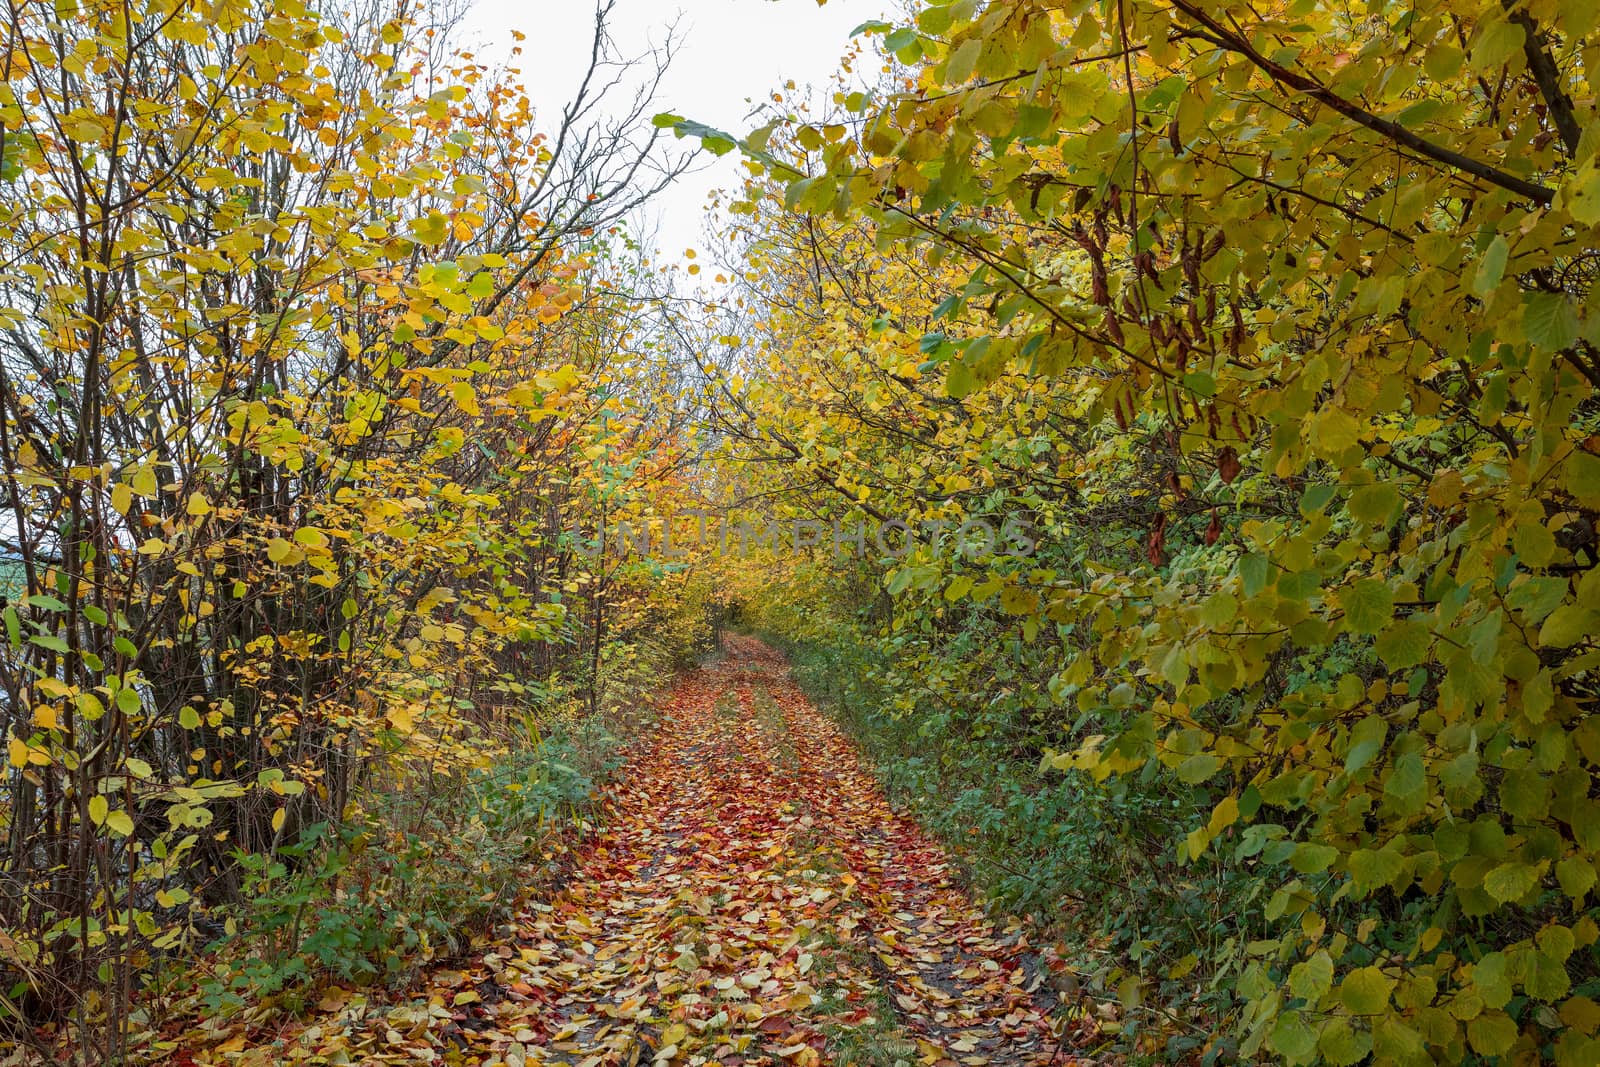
(98, 809)
(277, 819)
(120, 823)
(198, 505)
(19, 752)
(90, 707)
(144, 482)
(121, 498)
(465, 397)
(52, 687)
(1224, 815)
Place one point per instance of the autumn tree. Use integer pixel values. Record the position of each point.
(1323, 475)
(298, 311)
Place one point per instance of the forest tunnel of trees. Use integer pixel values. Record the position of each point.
(1190, 409)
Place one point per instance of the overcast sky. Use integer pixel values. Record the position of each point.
(732, 52)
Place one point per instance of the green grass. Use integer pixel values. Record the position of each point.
(878, 1040)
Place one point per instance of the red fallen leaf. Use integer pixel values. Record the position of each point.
(1214, 530)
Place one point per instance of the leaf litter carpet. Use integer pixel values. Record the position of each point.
(751, 898)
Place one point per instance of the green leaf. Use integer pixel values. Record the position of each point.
(1293, 1038)
(1218, 609)
(1549, 319)
(1489, 980)
(712, 139)
(1253, 571)
(1311, 979)
(1583, 478)
(959, 380)
(1536, 598)
(1311, 858)
(1334, 430)
(1525, 795)
(1534, 543)
(1198, 767)
(1576, 876)
(1374, 868)
(1498, 42)
(1491, 268)
(1511, 881)
(1366, 741)
(1547, 978)
(1374, 504)
(1492, 1033)
(1407, 784)
(1341, 1044)
(1442, 61)
(901, 38)
(1393, 1042)
(962, 61)
(1368, 605)
(1365, 991)
(1567, 625)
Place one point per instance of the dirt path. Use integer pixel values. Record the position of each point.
(752, 900)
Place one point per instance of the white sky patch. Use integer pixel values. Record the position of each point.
(732, 55)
